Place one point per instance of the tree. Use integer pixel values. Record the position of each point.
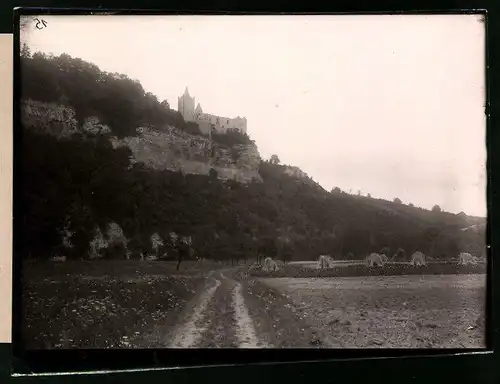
(156, 242)
(184, 249)
(400, 254)
(231, 138)
(397, 200)
(283, 245)
(97, 244)
(117, 242)
(25, 51)
(385, 251)
(432, 234)
(436, 208)
(274, 159)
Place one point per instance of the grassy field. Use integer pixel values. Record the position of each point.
(351, 268)
(391, 311)
(103, 304)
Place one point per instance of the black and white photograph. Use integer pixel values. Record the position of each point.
(253, 181)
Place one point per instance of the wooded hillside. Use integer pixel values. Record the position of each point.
(85, 182)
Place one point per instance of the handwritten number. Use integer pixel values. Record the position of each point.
(40, 24)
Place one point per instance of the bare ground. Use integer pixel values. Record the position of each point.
(245, 331)
(220, 318)
(147, 305)
(392, 312)
(224, 322)
(277, 321)
(189, 333)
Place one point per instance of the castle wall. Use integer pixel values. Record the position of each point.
(221, 124)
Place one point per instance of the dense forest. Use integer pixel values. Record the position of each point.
(118, 101)
(79, 183)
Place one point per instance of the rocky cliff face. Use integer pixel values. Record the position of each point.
(174, 150)
(300, 175)
(48, 118)
(165, 149)
(295, 172)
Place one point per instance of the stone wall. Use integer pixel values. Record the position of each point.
(169, 149)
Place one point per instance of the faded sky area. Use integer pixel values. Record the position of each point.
(389, 105)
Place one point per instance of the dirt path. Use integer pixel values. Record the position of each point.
(218, 318)
(190, 332)
(245, 330)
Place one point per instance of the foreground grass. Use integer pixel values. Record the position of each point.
(103, 304)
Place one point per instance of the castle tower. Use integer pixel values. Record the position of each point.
(185, 106)
(207, 122)
(197, 112)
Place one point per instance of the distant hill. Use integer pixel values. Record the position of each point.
(79, 181)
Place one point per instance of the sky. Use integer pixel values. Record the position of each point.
(391, 105)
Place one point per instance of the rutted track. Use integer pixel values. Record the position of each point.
(245, 330)
(219, 318)
(190, 332)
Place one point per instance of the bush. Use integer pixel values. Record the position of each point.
(231, 138)
(115, 251)
(192, 128)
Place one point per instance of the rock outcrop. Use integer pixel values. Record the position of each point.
(300, 175)
(295, 172)
(49, 118)
(167, 148)
(175, 150)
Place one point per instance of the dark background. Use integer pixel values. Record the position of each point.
(477, 368)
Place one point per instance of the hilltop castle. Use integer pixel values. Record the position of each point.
(208, 123)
